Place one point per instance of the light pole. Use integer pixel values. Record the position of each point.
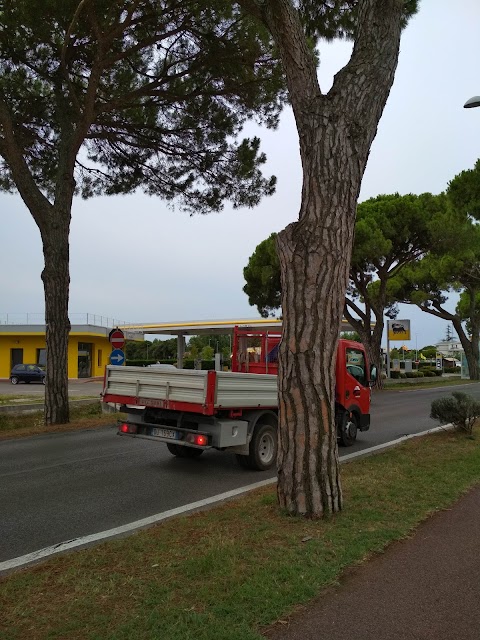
(473, 102)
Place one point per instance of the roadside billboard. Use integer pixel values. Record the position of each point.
(399, 330)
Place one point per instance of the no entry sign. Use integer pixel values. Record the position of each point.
(117, 338)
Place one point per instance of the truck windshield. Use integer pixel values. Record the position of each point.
(356, 365)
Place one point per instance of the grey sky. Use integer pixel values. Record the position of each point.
(134, 259)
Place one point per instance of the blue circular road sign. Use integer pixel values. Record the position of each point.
(117, 357)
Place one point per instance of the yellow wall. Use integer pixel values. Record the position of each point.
(31, 342)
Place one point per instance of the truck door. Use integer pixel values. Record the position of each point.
(357, 389)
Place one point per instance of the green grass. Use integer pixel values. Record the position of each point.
(11, 398)
(86, 416)
(425, 383)
(228, 573)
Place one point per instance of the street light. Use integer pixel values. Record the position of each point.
(473, 102)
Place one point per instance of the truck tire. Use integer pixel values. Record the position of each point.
(348, 429)
(263, 449)
(184, 452)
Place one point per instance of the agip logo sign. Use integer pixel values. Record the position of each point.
(399, 330)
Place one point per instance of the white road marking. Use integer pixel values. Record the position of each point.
(126, 528)
(29, 558)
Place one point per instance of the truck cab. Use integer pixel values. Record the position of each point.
(257, 352)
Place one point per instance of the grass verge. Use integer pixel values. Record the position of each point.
(227, 573)
(87, 416)
(425, 383)
(17, 399)
(33, 398)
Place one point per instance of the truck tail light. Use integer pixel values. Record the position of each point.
(127, 428)
(197, 438)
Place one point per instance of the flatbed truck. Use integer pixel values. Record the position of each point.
(235, 411)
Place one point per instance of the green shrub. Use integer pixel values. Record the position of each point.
(459, 409)
(431, 371)
(394, 375)
(429, 374)
(425, 365)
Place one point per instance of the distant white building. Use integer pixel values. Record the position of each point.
(449, 347)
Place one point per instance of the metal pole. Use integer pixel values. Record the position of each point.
(388, 353)
(180, 350)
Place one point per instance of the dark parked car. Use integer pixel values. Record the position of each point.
(27, 373)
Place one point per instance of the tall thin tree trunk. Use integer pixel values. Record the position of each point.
(470, 347)
(374, 348)
(56, 282)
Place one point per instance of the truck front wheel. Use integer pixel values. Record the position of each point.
(348, 429)
(263, 449)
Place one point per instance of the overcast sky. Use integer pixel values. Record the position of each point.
(135, 260)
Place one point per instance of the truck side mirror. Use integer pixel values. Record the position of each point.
(373, 373)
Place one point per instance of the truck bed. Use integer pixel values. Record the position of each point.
(205, 392)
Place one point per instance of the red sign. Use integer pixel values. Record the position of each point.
(117, 339)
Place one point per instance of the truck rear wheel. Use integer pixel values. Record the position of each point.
(184, 452)
(263, 449)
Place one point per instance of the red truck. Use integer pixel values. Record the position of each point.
(234, 411)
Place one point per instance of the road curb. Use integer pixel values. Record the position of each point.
(85, 541)
(379, 448)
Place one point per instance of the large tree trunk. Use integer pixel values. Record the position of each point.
(56, 283)
(335, 134)
(314, 268)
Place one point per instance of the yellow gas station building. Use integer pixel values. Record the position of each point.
(88, 348)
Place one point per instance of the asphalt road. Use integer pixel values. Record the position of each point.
(87, 387)
(54, 488)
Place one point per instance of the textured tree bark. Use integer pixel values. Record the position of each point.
(56, 283)
(314, 260)
(53, 221)
(335, 134)
(470, 347)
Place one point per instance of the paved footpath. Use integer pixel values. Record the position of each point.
(426, 587)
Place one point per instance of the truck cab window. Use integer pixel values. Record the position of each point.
(355, 362)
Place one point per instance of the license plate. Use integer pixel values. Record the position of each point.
(164, 433)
